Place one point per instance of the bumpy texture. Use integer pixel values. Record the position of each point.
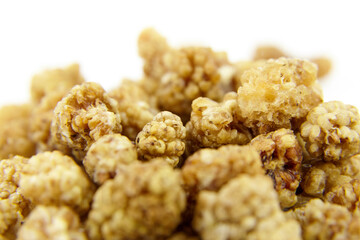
(13, 206)
(212, 124)
(51, 178)
(337, 182)
(107, 156)
(10, 172)
(281, 156)
(209, 169)
(10, 219)
(279, 94)
(14, 130)
(332, 131)
(182, 75)
(83, 116)
(47, 89)
(144, 201)
(49, 222)
(135, 105)
(326, 221)
(163, 137)
(245, 208)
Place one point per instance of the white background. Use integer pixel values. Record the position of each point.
(102, 35)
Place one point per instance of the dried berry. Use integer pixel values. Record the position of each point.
(51, 178)
(163, 137)
(47, 89)
(278, 94)
(244, 208)
(144, 201)
(107, 156)
(135, 105)
(324, 221)
(83, 116)
(14, 206)
(14, 131)
(332, 131)
(10, 172)
(212, 124)
(335, 182)
(209, 169)
(10, 219)
(182, 75)
(49, 222)
(281, 157)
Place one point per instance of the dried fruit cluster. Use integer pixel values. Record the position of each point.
(199, 148)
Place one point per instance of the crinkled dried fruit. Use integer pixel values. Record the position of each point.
(107, 156)
(144, 201)
(332, 131)
(14, 131)
(336, 182)
(51, 178)
(83, 116)
(324, 221)
(281, 157)
(163, 137)
(213, 124)
(136, 107)
(245, 208)
(49, 222)
(278, 94)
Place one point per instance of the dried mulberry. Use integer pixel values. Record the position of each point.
(182, 75)
(51, 178)
(212, 124)
(49, 222)
(47, 89)
(281, 157)
(144, 201)
(107, 155)
(14, 131)
(9, 219)
(332, 131)
(136, 107)
(335, 182)
(14, 206)
(245, 208)
(163, 137)
(83, 116)
(325, 221)
(209, 169)
(279, 94)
